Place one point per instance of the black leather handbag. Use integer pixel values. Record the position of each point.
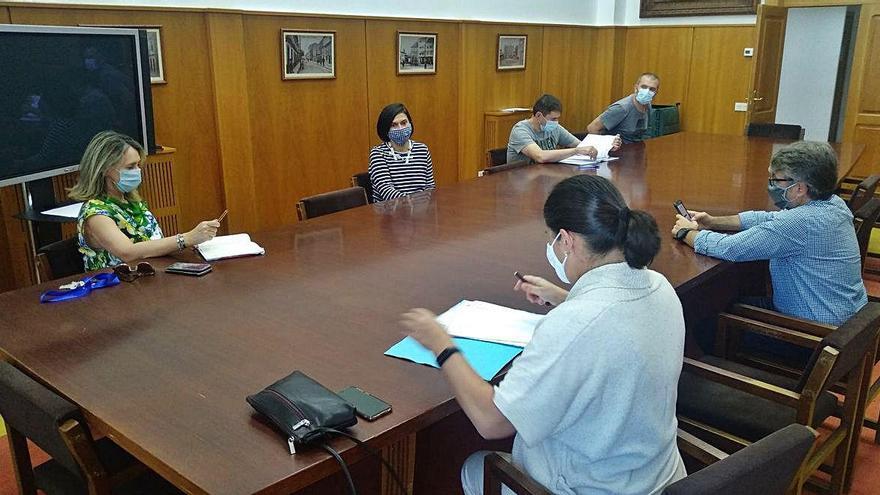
(303, 409)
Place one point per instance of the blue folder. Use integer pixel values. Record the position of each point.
(487, 358)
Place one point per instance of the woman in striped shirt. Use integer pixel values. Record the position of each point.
(399, 166)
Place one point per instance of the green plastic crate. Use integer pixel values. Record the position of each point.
(663, 120)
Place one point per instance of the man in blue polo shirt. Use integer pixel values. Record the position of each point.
(815, 265)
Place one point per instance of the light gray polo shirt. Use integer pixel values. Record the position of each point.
(522, 134)
(623, 118)
(592, 397)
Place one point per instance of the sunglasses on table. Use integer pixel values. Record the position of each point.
(127, 273)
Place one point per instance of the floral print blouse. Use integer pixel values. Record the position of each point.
(133, 218)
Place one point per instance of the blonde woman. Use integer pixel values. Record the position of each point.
(114, 224)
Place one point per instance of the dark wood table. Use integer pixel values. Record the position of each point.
(163, 365)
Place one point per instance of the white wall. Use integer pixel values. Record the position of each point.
(809, 69)
(579, 12)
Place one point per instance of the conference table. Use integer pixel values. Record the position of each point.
(163, 365)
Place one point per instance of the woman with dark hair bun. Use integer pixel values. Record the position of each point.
(591, 399)
(399, 166)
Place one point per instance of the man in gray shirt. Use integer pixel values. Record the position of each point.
(537, 138)
(629, 115)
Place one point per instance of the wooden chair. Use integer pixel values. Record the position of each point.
(496, 157)
(331, 202)
(59, 259)
(363, 180)
(79, 465)
(864, 219)
(501, 168)
(862, 192)
(779, 131)
(734, 404)
(766, 467)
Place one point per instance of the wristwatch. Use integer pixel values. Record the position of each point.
(682, 233)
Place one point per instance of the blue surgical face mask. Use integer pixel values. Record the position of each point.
(129, 179)
(400, 136)
(558, 266)
(777, 194)
(550, 126)
(644, 96)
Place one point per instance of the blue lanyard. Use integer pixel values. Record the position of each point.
(98, 281)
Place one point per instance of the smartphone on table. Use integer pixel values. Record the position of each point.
(681, 210)
(366, 405)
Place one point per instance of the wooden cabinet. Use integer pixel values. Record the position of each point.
(497, 125)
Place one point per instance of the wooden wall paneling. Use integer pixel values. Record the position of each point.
(483, 88)
(432, 99)
(183, 109)
(231, 92)
(4, 15)
(665, 51)
(604, 72)
(719, 77)
(309, 136)
(567, 67)
(862, 123)
(16, 260)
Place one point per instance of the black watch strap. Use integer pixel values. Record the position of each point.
(682, 233)
(446, 354)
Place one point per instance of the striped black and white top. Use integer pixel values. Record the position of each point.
(394, 175)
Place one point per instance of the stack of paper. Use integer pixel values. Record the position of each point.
(488, 335)
(603, 145)
(229, 246)
(69, 211)
(490, 322)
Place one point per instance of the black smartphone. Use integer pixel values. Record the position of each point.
(194, 269)
(366, 405)
(679, 207)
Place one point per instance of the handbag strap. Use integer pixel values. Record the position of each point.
(370, 450)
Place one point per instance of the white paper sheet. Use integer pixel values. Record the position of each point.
(69, 211)
(490, 322)
(229, 246)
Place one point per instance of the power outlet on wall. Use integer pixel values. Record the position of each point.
(748, 52)
(740, 106)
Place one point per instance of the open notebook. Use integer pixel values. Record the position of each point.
(229, 246)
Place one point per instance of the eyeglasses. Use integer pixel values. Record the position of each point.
(771, 180)
(128, 274)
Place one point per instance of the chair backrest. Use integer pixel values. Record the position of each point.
(331, 202)
(32, 410)
(766, 467)
(363, 180)
(501, 168)
(863, 192)
(496, 157)
(864, 219)
(852, 340)
(61, 259)
(781, 131)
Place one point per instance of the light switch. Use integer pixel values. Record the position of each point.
(740, 106)
(748, 52)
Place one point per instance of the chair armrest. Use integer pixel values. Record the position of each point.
(778, 319)
(796, 337)
(744, 383)
(496, 471)
(698, 449)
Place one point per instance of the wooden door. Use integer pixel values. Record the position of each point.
(768, 64)
(862, 124)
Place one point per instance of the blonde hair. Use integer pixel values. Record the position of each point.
(104, 151)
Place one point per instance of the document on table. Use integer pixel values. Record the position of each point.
(490, 322)
(603, 145)
(486, 358)
(229, 246)
(69, 211)
(515, 109)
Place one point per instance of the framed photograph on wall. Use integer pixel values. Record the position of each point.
(511, 51)
(666, 8)
(308, 54)
(416, 53)
(154, 48)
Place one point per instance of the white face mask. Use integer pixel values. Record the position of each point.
(557, 265)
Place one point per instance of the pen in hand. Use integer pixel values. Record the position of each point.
(222, 215)
(523, 280)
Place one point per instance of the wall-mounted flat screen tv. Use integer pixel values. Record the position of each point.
(59, 86)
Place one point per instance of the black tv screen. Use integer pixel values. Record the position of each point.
(59, 86)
